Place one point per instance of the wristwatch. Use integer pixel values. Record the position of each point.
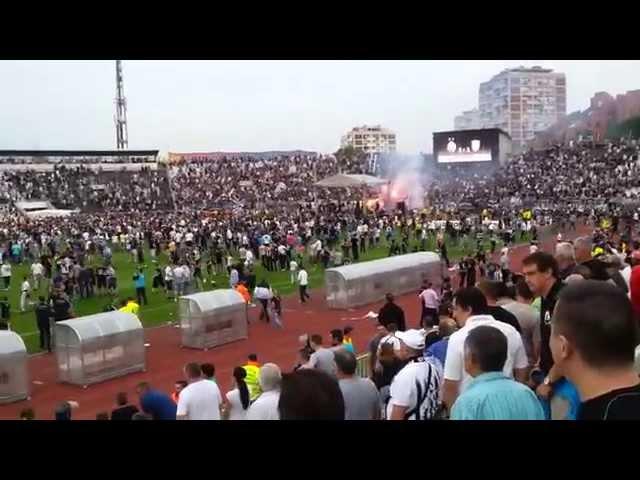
(546, 381)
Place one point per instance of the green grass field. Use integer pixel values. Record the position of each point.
(161, 310)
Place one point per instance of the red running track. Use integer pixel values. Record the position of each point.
(165, 357)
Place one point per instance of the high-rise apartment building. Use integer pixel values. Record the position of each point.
(373, 139)
(469, 120)
(522, 101)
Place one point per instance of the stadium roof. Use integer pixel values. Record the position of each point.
(77, 153)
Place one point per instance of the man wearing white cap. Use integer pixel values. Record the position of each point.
(415, 390)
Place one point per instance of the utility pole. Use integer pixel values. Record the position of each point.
(122, 136)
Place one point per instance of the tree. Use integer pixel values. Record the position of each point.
(348, 152)
(630, 127)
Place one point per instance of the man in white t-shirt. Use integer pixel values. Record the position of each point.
(37, 271)
(201, 399)
(5, 273)
(249, 258)
(505, 265)
(168, 279)
(430, 304)
(293, 271)
(316, 248)
(469, 307)
(390, 338)
(303, 283)
(265, 407)
(415, 390)
(178, 280)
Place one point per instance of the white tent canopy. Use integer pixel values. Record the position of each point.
(348, 181)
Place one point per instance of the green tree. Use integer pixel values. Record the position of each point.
(630, 127)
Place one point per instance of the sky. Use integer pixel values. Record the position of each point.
(203, 106)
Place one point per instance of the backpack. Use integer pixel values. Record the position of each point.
(422, 395)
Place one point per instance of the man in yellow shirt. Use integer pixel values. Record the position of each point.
(130, 306)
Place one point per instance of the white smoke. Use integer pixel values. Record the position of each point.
(408, 176)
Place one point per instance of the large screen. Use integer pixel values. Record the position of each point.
(466, 146)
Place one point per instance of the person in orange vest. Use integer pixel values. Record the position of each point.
(241, 288)
(252, 379)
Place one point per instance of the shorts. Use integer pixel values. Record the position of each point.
(169, 284)
(101, 282)
(112, 283)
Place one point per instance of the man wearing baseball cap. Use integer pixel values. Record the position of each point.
(415, 390)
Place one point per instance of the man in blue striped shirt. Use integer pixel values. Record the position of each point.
(491, 395)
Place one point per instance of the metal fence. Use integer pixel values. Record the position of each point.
(362, 366)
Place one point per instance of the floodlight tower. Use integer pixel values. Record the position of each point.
(122, 136)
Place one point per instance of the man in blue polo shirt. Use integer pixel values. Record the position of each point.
(156, 403)
(141, 291)
(491, 395)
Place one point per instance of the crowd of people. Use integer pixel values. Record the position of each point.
(554, 341)
(75, 160)
(89, 190)
(566, 179)
(258, 183)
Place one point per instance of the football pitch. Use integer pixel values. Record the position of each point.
(162, 310)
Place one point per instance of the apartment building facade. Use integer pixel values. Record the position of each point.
(523, 101)
(370, 139)
(469, 120)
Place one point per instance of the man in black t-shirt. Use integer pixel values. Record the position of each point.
(61, 307)
(43, 317)
(392, 313)
(5, 313)
(597, 268)
(593, 341)
(462, 271)
(540, 271)
(124, 411)
(492, 290)
(101, 279)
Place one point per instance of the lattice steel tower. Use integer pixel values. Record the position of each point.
(122, 136)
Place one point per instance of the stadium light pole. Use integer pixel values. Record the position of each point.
(122, 134)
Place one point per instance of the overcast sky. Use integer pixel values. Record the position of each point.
(185, 106)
